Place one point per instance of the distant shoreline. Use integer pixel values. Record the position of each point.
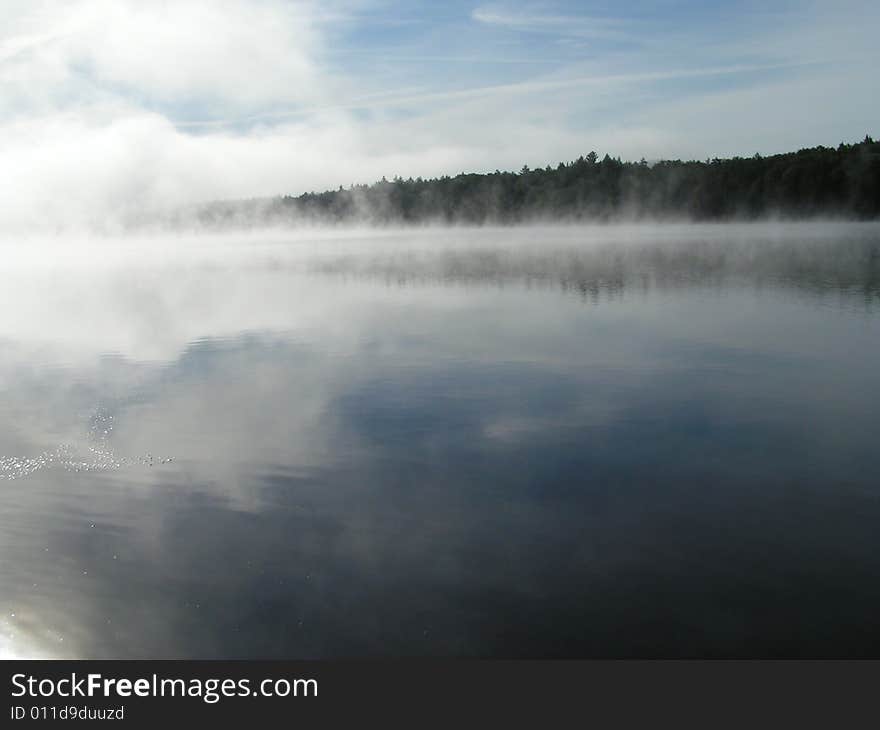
(841, 183)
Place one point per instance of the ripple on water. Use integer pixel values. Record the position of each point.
(99, 455)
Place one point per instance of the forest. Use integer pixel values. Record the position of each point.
(834, 182)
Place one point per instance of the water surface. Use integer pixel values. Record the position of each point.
(621, 441)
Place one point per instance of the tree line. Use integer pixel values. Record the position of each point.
(842, 181)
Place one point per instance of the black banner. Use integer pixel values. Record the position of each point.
(546, 694)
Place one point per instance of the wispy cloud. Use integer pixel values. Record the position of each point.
(521, 88)
(565, 25)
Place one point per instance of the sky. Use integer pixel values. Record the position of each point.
(112, 106)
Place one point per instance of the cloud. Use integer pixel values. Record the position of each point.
(230, 53)
(89, 91)
(537, 22)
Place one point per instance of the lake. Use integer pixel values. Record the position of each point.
(621, 441)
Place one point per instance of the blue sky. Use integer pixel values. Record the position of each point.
(115, 103)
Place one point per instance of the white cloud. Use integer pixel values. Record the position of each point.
(232, 53)
(239, 53)
(535, 21)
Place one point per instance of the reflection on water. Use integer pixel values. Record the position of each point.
(423, 444)
(819, 262)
